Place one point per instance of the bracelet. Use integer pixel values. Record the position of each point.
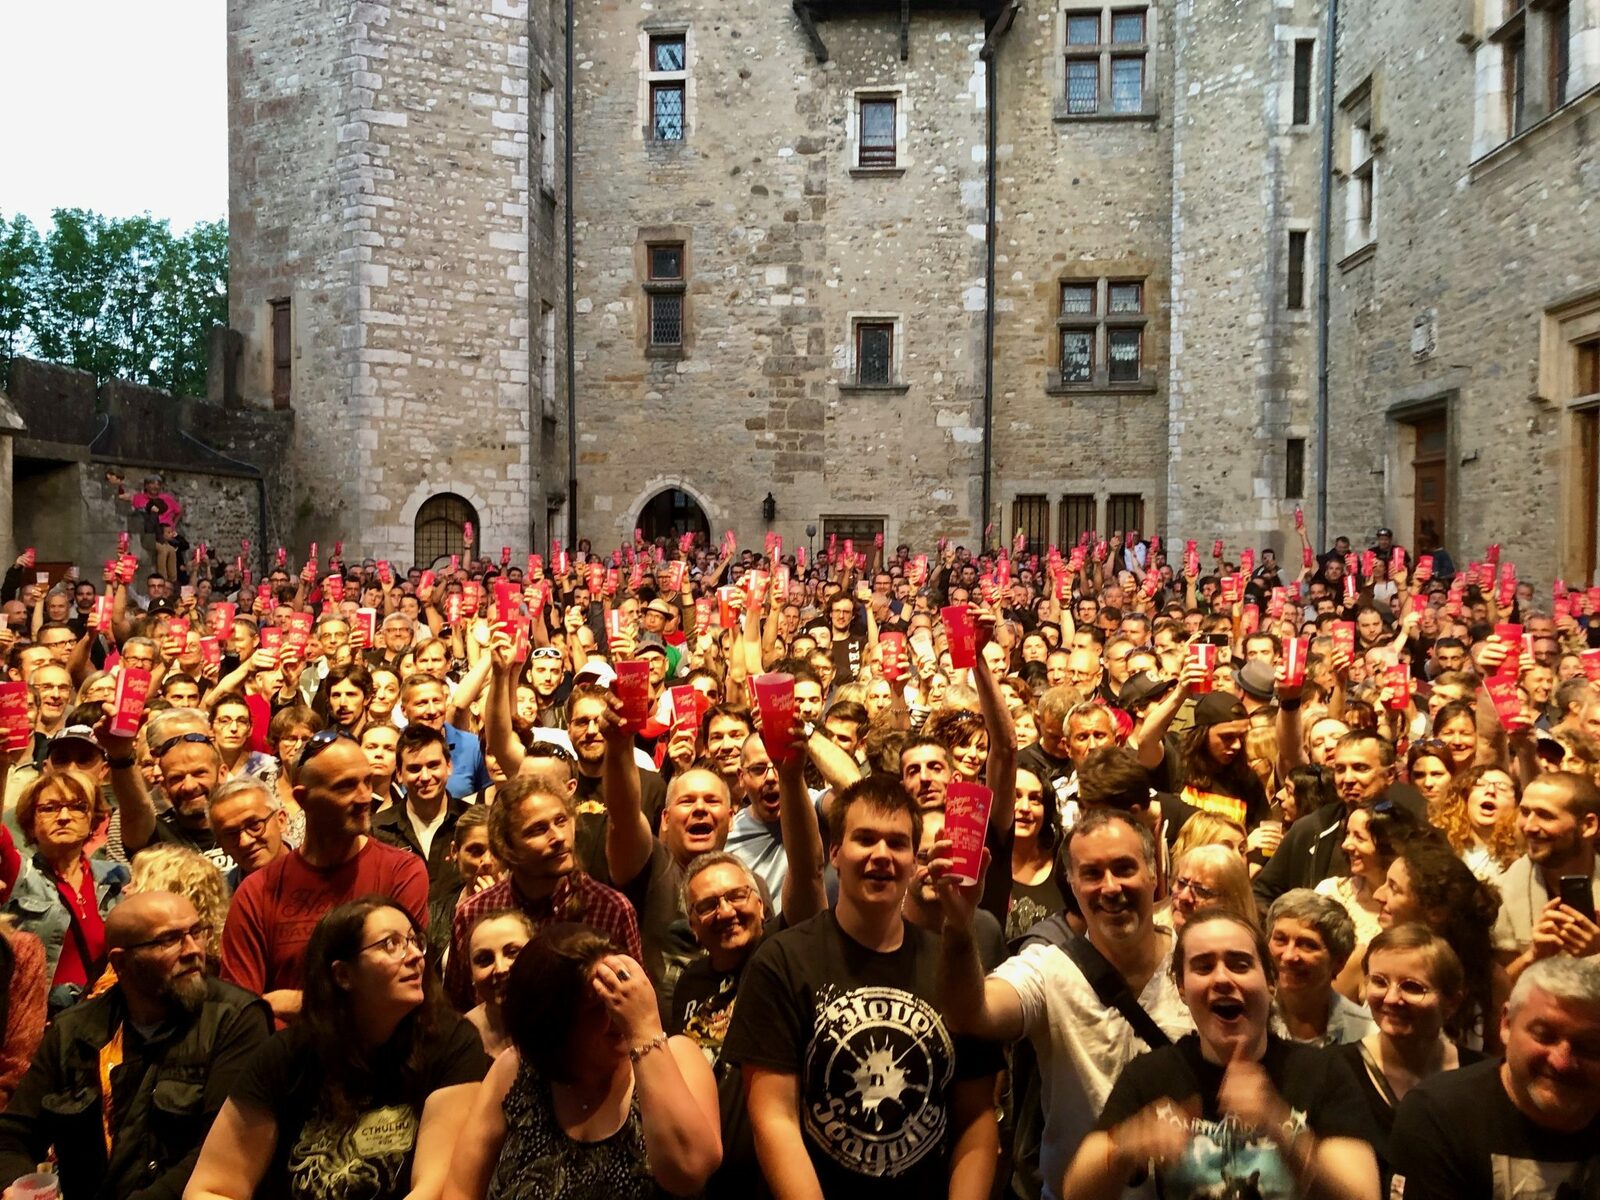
(120, 764)
(1290, 705)
(655, 1043)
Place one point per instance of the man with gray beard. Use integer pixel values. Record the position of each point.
(169, 1039)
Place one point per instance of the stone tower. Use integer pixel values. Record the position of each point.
(397, 262)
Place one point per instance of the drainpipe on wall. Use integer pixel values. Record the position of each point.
(572, 370)
(1324, 266)
(991, 70)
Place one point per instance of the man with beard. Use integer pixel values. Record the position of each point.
(545, 675)
(925, 770)
(155, 1055)
(191, 766)
(248, 821)
(853, 1079)
(532, 832)
(276, 908)
(1559, 817)
(1087, 1004)
(1523, 1129)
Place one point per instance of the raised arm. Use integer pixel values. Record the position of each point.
(1001, 769)
(628, 837)
(498, 729)
(986, 1008)
(803, 892)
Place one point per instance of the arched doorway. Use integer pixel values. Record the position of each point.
(439, 531)
(671, 514)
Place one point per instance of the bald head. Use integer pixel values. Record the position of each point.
(144, 915)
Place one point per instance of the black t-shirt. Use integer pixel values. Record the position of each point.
(1378, 1105)
(1317, 1085)
(589, 846)
(873, 1057)
(315, 1159)
(1033, 902)
(1458, 1135)
(171, 831)
(669, 945)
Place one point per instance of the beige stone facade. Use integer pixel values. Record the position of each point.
(781, 247)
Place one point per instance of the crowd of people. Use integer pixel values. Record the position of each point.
(1117, 869)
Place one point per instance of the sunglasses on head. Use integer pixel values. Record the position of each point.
(199, 739)
(319, 742)
(547, 652)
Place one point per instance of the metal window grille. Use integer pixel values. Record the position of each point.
(874, 354)
(1083, 85)
(1077, 517)
(1083, 29)
(1127, 298)
(860, 530)
(667, 54)
(878, 133)
(1125, 511)
(1077, 299)
(666, 319)
(1127, 84)
(1031, 515)
(439, 527)
(1127, 28)
(666, 108)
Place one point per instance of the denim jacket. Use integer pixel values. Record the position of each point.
(36, 904)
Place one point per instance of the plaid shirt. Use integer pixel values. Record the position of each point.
(576, 898)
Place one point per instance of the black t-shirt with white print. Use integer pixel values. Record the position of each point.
(875, 1062)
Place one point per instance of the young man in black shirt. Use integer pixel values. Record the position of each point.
(853, 1079)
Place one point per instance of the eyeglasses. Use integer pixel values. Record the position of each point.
(254, 826)
(735, 896)
(200, 932)
(396, 946)
(54, 808)
(199, 739)
(318, 742)
(1199, 890)
(1411, 989)
(547, 652)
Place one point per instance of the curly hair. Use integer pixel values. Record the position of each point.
(166, 867)
(1448, 814)
(1461, 909)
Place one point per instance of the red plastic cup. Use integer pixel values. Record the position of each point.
(178, 627)
(1591, 664)
(1205, 654)
(758, 582)
(102, 613)
(686, 708)
(211, 651)
(1295, 650)
(596, 575)
(633, 689)
(727, 614)
(1344, 637)
(1507, 700)
(453, 605)
(1250, 619)
(271, 639)
(774, 694)
(299, 632)
(961, 634)
(966, 818)
(892, 655)
(1424, 571)
(367, 625)
(505, 599)
(1509, 634)
(222, 618)
(133, 685)
(15, 732)
(1398, 679)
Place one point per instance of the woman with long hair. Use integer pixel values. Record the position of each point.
(1038, 884)
(1207, 877)
(592, 1101)
(1455, 725)
(1478, 817)
(964, 736)
(1414, 986)
(1429, 885)
(1216, 772)
(493, 943)
(1373, 837)
(367, 1092)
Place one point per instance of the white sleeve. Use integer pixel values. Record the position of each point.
(1026, 973)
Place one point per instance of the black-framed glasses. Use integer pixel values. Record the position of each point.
(199, 739)
(200, 931)
(254, 826)
(318, 742)
(395, 946)
(735, 896)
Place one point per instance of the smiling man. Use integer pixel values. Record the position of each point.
(275, 909)
(425, 821)
(1559, 819)
(854, 1081)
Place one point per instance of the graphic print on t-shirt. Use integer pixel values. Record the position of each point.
(877, 1067)
(1527, 1179)
(1225, 1161)
(705, 1022)
(360, 1162)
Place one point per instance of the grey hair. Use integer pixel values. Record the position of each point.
(1564, 977)
(704, 862)
(171, 722)
(1324, 914)
(240, 784)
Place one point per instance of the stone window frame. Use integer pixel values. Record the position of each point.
(1100, 322)
(1358, 148)
(547, 137)
(850, 382)
(902, 115)
(1103, 54)
(280, 350)
(1569, 335)
(654, 287)
(1537, 44)
(1308, 269)
(651, 79)
(547, 358)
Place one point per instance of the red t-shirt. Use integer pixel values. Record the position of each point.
(83, 908)
(275, 910)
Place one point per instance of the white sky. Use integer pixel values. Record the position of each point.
(115, 105)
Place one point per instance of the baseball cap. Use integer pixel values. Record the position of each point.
(75, 733)
(1141, 688)
(597, 670)
(649, 643)
(1218, 708)
(1385, 532)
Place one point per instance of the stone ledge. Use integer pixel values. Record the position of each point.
(897, 389)
(1356, 257)
(1145, 387)
(1061, 117)
(878, 172)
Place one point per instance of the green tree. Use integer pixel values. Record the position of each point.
(122, 298)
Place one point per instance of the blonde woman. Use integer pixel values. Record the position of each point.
(1210, 877)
